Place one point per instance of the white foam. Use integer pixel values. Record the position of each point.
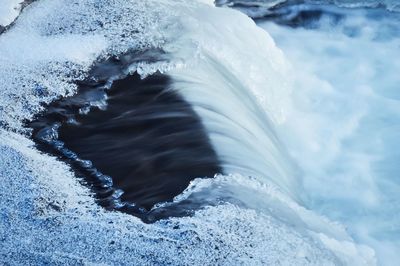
(238, 93)
(343, 121)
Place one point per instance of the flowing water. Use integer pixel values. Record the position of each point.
(258, 132)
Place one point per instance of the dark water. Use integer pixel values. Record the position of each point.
(293, 13)
(137, 142)
(307, 14)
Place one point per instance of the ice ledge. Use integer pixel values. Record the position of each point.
(46, 216)
(10, 10)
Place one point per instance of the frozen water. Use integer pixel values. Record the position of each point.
(9, 10)
(233, 76)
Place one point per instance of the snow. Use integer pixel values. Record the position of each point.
(9, 10)
(48, 216)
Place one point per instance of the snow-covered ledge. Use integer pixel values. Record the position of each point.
(9, 11)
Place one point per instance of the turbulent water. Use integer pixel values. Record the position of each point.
(177, 132)
(346, 118)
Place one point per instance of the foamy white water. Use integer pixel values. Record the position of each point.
(248, 94)
(344, 121)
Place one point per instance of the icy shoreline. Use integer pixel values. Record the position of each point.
(9, 12)
(46, 215)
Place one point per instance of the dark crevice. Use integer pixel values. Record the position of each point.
(136, 144)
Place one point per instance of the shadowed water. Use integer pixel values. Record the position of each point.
(136, 144)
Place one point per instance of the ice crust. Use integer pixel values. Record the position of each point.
(48, 216)
(47, 57)
(9, 10)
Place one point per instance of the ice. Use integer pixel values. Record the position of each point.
(9, 10)
(48, 57)
(47, 215)
(239, 102)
